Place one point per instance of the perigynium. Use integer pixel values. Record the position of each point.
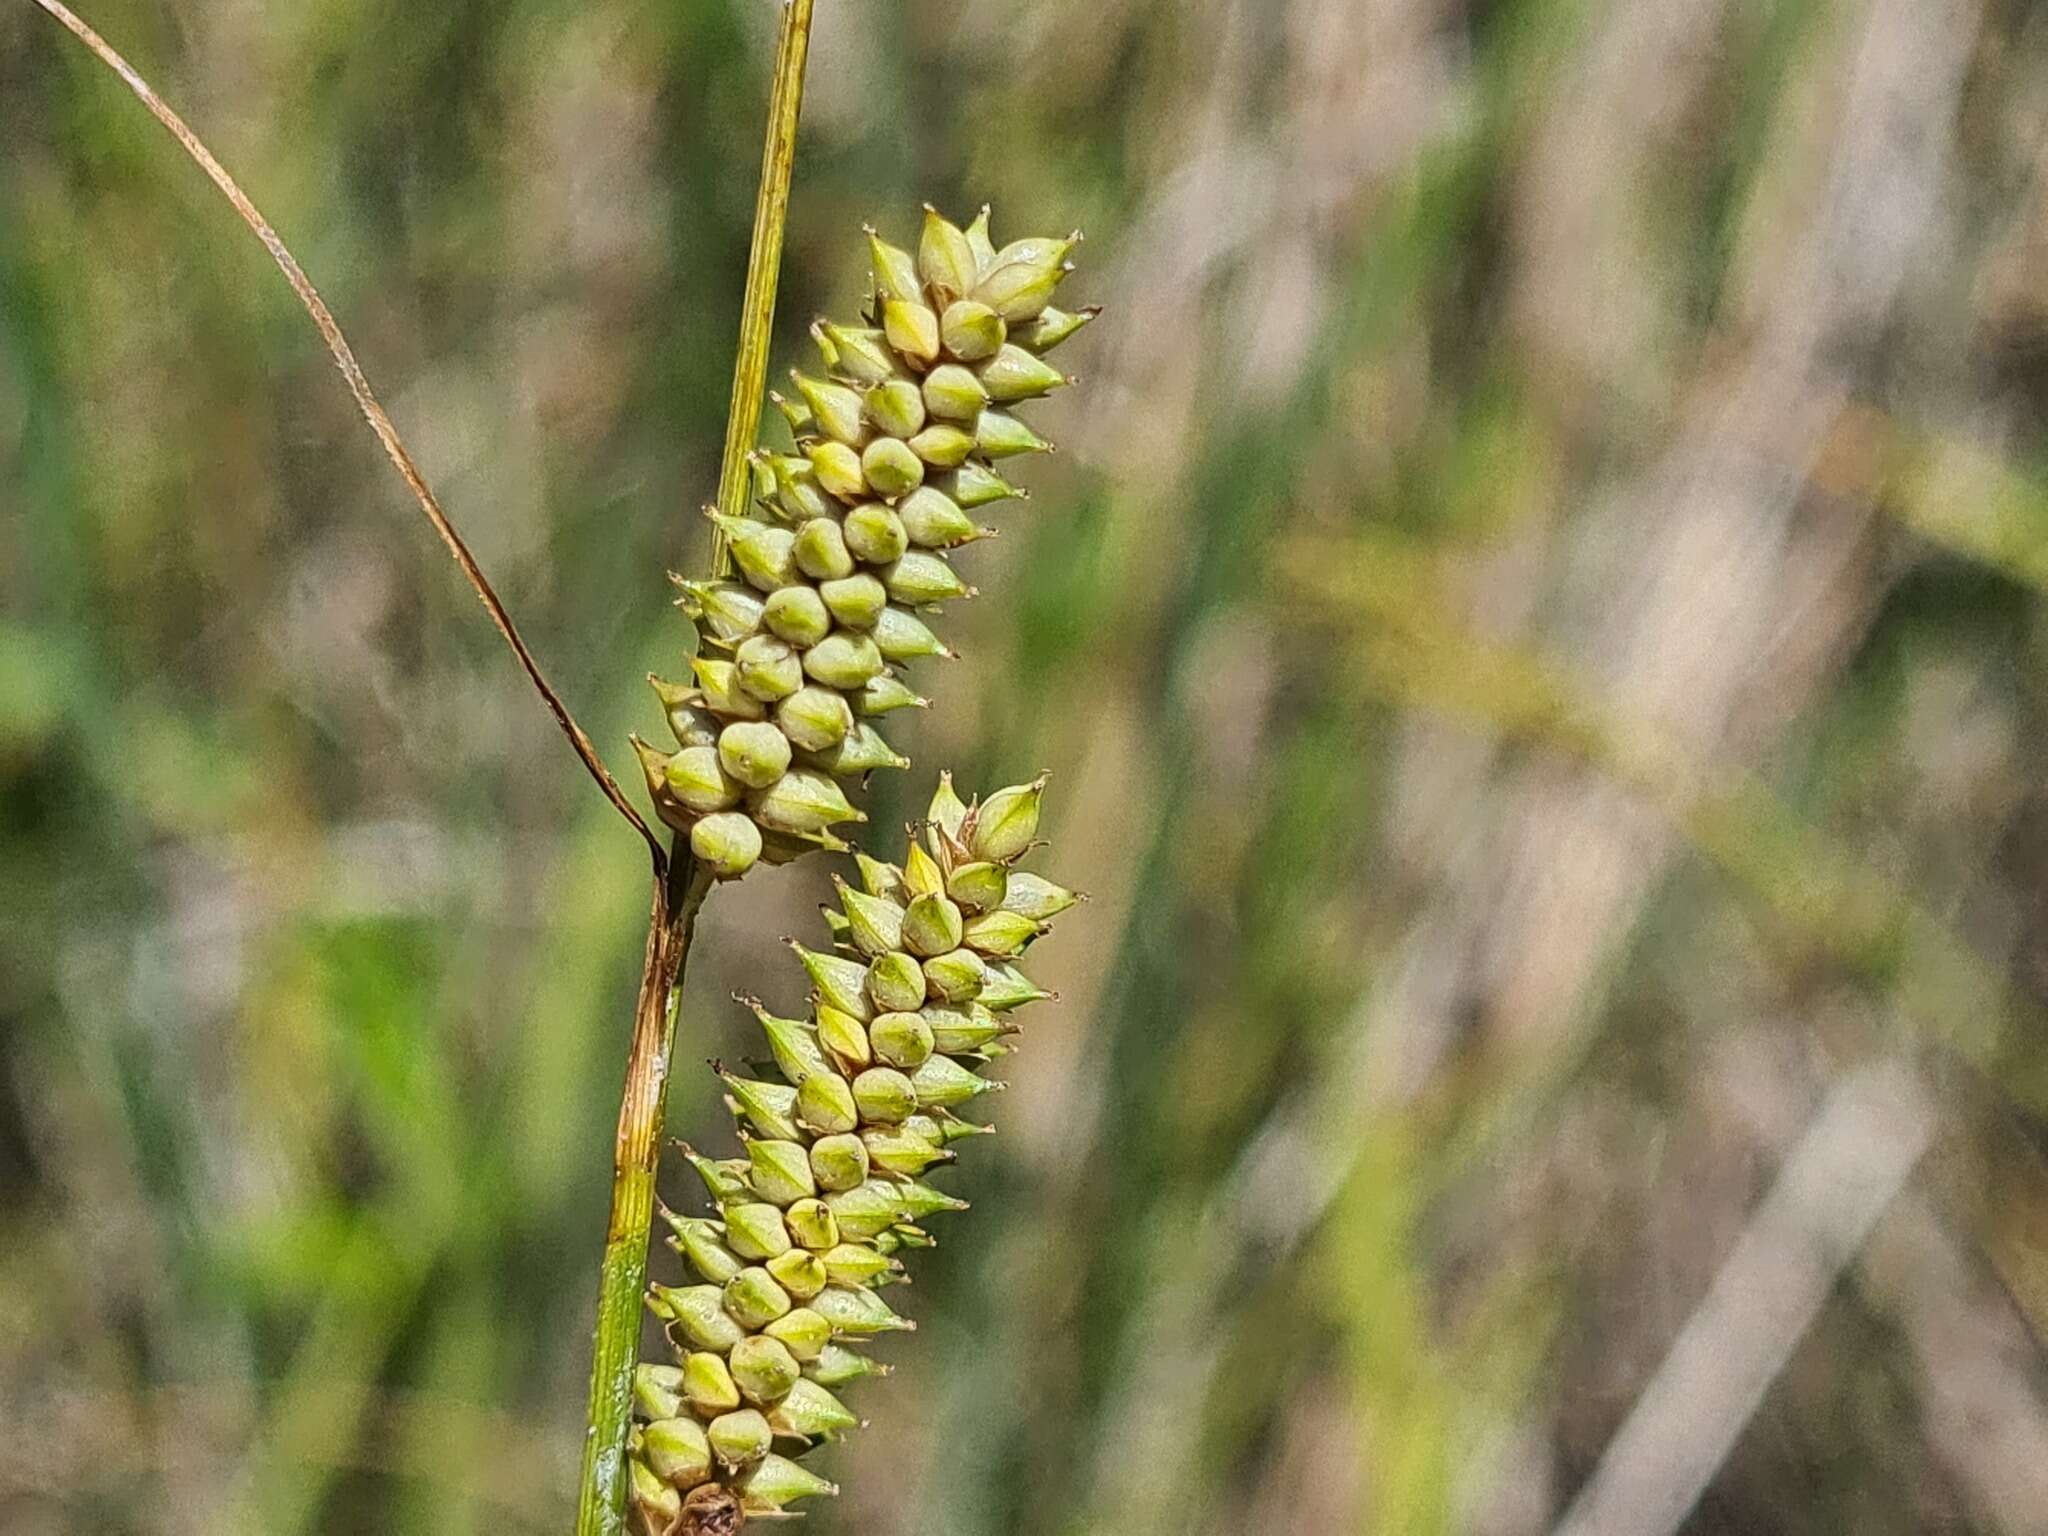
(856, 1105)
(897, 445)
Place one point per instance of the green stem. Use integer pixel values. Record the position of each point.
(680, 892)
(764, 268)
(636, 1156)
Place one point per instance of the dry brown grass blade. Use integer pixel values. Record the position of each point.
(373, 412)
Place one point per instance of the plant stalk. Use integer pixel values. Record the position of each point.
(764, 269)
(680, 891)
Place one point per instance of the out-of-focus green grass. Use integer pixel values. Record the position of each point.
(1337, 1190)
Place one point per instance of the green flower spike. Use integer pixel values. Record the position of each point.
(909, 1003)
(850, 540)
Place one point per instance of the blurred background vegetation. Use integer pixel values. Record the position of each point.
(1537, 625)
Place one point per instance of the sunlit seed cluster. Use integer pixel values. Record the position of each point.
(895, 447)
(914, 997)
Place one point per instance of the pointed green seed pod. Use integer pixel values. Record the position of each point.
(1054, 326)
(740, 1438)
(945, 261)
(1035, 897)
(727, 844)
(957, 1032)
(843, 660)
(802, 800)
(820, 550)
(896, 407)
(884, 1095)
(881, 695)
(678, 1451)
(719, 684)
(840, 981)
(781, 1170)
(762, 551)
(863, 751)
(874, 533)
(702, 1244)
(754, 752)
(1002, 436)
(901, 635)
(793, 1043)
(856, 1264)
(708, 1384)
(866, 1210)
(921, 873)
(920, 1201)
(838, 469)
(933, 520)
(920, 578)
(1007, 987)
(1021, 278)
(835, 406)
(943, 445)
(839, 1163)
(800, 1273)
(767, 1107)
(932, 925)
(658, 1391)
(974, 484)
(753, 1298)
(895, 272)
(656, 1505)
(843, 1037)
(778, 1481)
(877, 924)
(810, 1412)
(978, 242)
(698, 1313)
(895, 981)
(978, 886)
(971, 331)
(898, 1150)
(1006, 822)
(824, 1105)
(811, 1222)
(891, 467)
(767, 667)
(912, 331)
(724, 1178)
(698, 779)
(724, 610)
(798, 495)
(858, 352)
(755, 1230)
(953, 393)
(798, 617)
(837, 1365)
(857, 1313)
(999, 934)
(957, 976)
(855, 601)
(942, 1082)
(814, 718)
(802, 1332)
(1014, 374)
(901, 1040)
(693, 727)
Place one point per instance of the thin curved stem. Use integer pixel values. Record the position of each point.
(373, 412)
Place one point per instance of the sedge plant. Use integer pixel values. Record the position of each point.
(828, 561)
